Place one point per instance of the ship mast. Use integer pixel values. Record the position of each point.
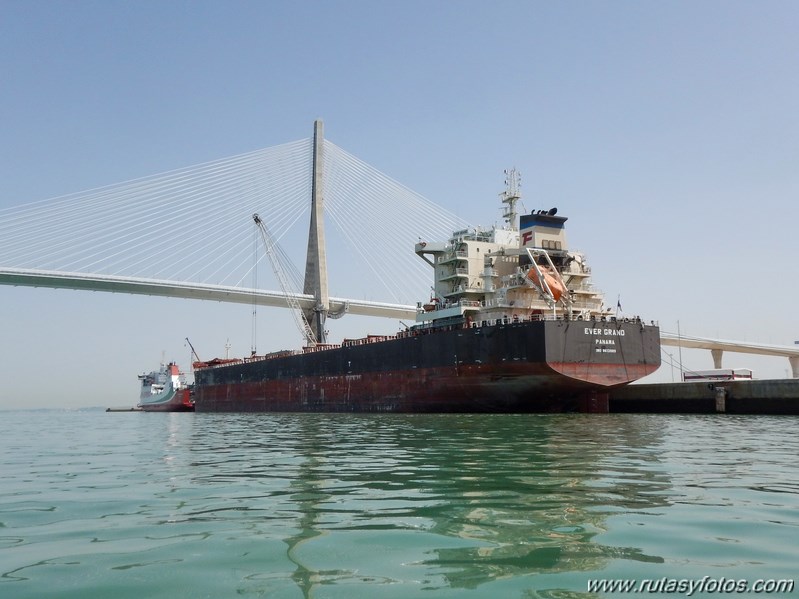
(510, 196)
(316, 258)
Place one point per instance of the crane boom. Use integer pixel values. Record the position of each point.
(193, 351)
(291, 297)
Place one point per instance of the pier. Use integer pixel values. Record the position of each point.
(768, 396)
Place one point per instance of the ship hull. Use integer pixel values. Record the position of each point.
(171, 400)
(536, 366)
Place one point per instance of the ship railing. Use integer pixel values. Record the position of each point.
(254, 358)
(462, 303)
(271, 356)
(496, 303)
(320, 347)
(446, 305)
(587, 305)
(366, 340)
(459, 273)
(464, 289)
(477, 234)
(310, 349)
(575, 269)
(554, 317)
(285, 353)
(516, 280)
(584, 288)
(451, 256)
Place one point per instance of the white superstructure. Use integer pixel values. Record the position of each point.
(519, 271)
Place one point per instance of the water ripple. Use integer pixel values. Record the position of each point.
(291, 505)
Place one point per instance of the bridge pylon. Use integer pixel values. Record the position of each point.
(316, 258)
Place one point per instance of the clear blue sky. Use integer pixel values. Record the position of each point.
(667, 131)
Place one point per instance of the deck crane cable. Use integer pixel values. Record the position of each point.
(291, 296)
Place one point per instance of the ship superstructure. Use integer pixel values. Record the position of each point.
(519, 271)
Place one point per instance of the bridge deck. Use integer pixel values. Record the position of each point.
(220, 293)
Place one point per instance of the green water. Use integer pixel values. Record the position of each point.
(132, 505)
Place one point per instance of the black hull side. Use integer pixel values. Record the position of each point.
(514, 367)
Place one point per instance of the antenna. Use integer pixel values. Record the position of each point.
(510, 196)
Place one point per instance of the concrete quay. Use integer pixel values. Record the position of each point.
(768, 396)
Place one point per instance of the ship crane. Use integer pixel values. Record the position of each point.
(193, 351)
(291, 297)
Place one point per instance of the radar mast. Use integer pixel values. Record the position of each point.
(510, 196)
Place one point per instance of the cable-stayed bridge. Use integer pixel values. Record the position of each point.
(189, 233)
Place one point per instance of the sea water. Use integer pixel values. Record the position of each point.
(132, 505)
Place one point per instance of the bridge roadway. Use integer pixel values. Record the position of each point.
(717, 347)
(338, 306)
(220, 293)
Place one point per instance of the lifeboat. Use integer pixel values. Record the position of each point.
(552, 281)
(432, 305)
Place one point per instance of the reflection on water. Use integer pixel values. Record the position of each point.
(303, 505)
(488, 496)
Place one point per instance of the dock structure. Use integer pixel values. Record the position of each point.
(717, 348)
(766, 397)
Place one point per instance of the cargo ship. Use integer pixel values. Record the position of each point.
(514, 324)
(165, 390)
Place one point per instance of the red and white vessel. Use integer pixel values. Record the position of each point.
(165, 390)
